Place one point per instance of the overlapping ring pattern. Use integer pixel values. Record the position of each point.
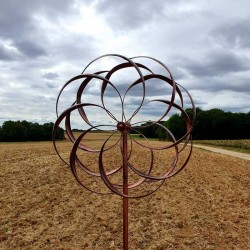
(104, 76)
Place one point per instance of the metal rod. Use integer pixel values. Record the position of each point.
(125, 189)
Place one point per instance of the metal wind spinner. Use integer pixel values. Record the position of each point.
(125, 127)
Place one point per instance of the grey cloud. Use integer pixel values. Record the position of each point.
(51, 85)
(38, 87)
(234, 33)
(153, 87)
(157, 112)
(216, 63)
(123, 15)
(20, 23)
(207, 54)
(6, 55)
(238, 82)
(50, 75)
(76, 48)
(29, 48)
(17, 17)
(178, 73)
(233, 83)
(236, 108)
(199, 103)
(4, 118)
(14, 19)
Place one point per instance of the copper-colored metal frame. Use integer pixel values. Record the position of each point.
(124, 127)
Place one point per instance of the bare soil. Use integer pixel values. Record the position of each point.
(206, 206)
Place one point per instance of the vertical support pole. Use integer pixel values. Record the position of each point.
(122, 127)
(125, 189)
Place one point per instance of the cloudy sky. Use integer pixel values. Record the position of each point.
(43, 44)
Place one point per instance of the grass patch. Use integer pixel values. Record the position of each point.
(242, 146)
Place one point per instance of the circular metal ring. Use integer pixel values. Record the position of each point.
(125, 125)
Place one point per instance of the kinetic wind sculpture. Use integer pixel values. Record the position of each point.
(125, 127)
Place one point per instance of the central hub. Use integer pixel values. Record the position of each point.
(121, 126)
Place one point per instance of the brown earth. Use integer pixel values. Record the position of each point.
(206, 206)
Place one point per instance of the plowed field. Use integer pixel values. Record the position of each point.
(206, 206)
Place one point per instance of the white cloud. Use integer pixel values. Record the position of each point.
(45, 43)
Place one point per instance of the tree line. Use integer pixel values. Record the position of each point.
(28, 131)
(213, 124)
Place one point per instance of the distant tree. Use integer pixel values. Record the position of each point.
(215, 124)
(211, 124)
(28, 131)
(162, 133)
(176, 124)
(48, 127)
(48, 131)
(13, 131)
(36, 132)
(148, 129)
(1, 134)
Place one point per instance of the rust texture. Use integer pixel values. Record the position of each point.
(125, 126)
